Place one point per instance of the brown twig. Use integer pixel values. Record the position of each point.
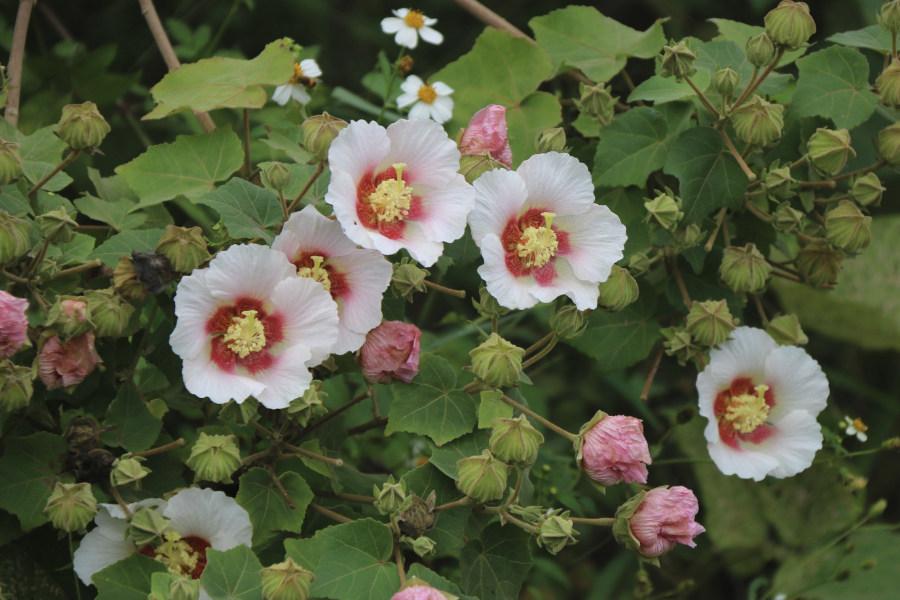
(368, 426)
(737, 156)
(569, 436)
(824, 286)
(681, 288)
(455, 504)
(284, 493)
(119, 500)
(170, 446)
(297, 450)
(868, 169)
(760, 310)
(399, 558)
(645, 395)
(348, 497)
(319, 168)
(445, 290)
(62, 165)
(712, 239)
(92, 228)
(330, 513)
(335, 413)
(16, 57)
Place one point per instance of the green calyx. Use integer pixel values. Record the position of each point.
(664, 210)
(147, 526)
(786, 331)
(829, 150)
(82, 126)
(286, 581)
(677, 60)
(847, 227)
(515, 441)
(710, 322)
(184, 247)
(745, 270)
(215, 457)
(128, 470)
(408, 278)
(758, 122)
(790, 24)
(482, 477)
(557, 532)
(308, 406)
(71, 506)
(391, 498)
(619, 290)
(497, 362)
(15, 387)
(819, 263)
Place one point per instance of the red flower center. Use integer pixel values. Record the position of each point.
(531, 244)
(384, 202)
(242, 335)
(742, 410)
(331, 279)
(181, 555)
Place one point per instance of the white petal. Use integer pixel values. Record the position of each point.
(412, 84)
(442, 109)
(707, 389)
(794, 443)
(348, 341)
(429, 21)
(407, 37)
(210, 515)
(401, 12)
(310, 68)
(204, 379)
(97, 552)
(583, 293)
(110, 519)
(509, 291)
(444, 211)
(286, 379)
(299, 93)
(312, 232)
(420, 246)
(194, 306)
(358, 149)
(282, 94)
(797, 381)
(341, 196)
(596, 241)
(742, 356)
(430, 35)
(558, 183)
(442, 88)
(420, 110)
(247, 271)
(404, 100)
(431, 157)
(743, 463)
(499, 197)
(861, 436)
(385, 245)
(367, 275)
(392, 24)
(309, 316)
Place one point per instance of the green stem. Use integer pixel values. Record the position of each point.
(319, 168)
(455, 504)
(36, 261)
(538, 344)
(760, 310)
(737, 156)
(709, 105)
(62, 165)
(752, 88)
(569, 436)
(330, 513)
(86, 266)
(605, 522)
(712, 239)
(170, 446)
(297, 450)
(335, 413)
(387, 91)
(12, 277)
(348, 497)
(143, 343)
(550, 345)
(74, 574)
(445, 290)
(245, 170)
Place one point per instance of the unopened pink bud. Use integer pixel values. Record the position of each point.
(62, 365)
(419, 592)
(13, 324)
(487, 131)
(614, 449)
(391, 351)
(664, 518)
(74, 310)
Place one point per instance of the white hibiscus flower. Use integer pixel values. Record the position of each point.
(541, 235)
(248, 326)
(355, 278)
(399, 187)
(301, 83)
(761, 400)
(431, 101)
(199, 519)
(409, 25)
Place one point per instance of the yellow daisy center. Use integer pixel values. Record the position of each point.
(427, 94)
(392, 197)
(246, 335)
(747, 412)
(298, 74)
(859, 426)
(177, 555)
(316, 273)
(538, 244)
(414, 18)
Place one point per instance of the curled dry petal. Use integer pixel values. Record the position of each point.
(391, 351)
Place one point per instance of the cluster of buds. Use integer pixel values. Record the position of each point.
(497, 362)
(215, 457)
(308, 406)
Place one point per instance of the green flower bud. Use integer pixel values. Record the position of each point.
(125, 280)
(847, 227)
(128, 470)
(108, 312)
(278, 176)
(487, 305)
(71, 506)
(82, 126)
(760, 50)
(319, 131)
(185, 248)
(790, 24)
(286, 581)
(710, 322)
(69, 317)
(247, 410)
(889, 143)
(819, 263)
(473, 166)
(891, 443)
(829, 150)
(15, 387)
(677, 60)
(638, 263)
(515, 441)
(619, 290)
(497, 362)
(664, 210)
(785, 218)
(726, 81)
(867, 190)
(14, 241)
(888, 84)
(889, 17)
(529, 514)
(786, 331)
(56, 226)
(745, 269)
(423, 546)
(408, 278)
(758, 122)
(10, 162)
(566, 320)
(877, 509)
(147, 526)
(391, 497)
(308, 406)
(418, 517)
(165, 586)
(551, 140)
(557, 532)
(483, 477)
(215, 457)
(596, 101)
(688, 237)
(779, 182)
(680, 344)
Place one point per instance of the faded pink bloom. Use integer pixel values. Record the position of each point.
(487, 131)
(13, 324)
(666, 516)
(62, 365)
(391, 351)
(615, 450)
(74, 310)
(419, 592)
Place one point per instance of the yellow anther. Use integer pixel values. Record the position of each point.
(246, 335)
(392, 198)
(316, 272)
(415, 18)
(747, 412)
(298, 73)
(427, 94)
(177, 555)
(859, 426)
(538, 244)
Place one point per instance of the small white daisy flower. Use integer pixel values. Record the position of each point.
(301, 83)
(431, 101)
(409, 25)
(856, 427)
(761, 400)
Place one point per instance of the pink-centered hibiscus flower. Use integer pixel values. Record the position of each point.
(248, 326)
(541, 235)
(761, 400)
(355, 278)
(399, 187)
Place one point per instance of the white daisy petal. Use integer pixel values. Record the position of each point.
(309, 316)
(412, 84)
(861, 436)
(442, 109)
(441, 88)
(499, 198)
(404, 100)
(430, 35)
(558, 183)
(282, 94)
(392, 24)
(408, 37)
(429, 21)
(210, 515)
(794, 443)
(420, 110)
(797, 381)
(299, 93)
(310, 68)
(97, 552)
(401, 12)
(596, 240)
(509, 291)
(247, 271)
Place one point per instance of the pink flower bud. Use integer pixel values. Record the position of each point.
(614, 450)
(487, 131)
(391, 351)
(666, 516)
(62, 365)
(74, 310)
(13, 324)
(419, 592)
